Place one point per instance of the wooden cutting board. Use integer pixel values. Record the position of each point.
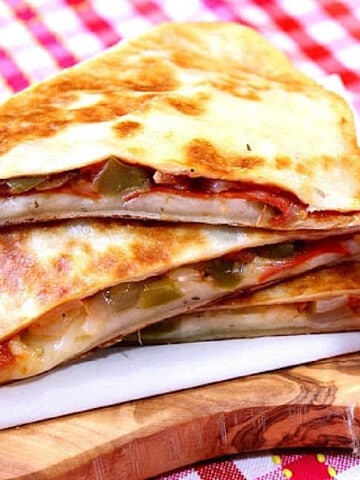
(315, 405)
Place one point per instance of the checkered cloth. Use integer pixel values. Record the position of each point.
(315, 466)
(39, 37)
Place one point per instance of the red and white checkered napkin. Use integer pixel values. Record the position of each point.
(39, 37)
(315, 466)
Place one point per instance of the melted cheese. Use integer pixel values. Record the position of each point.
(287, 319)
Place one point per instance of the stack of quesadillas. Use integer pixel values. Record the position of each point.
(193, 173)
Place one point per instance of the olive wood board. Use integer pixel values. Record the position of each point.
(314, 405)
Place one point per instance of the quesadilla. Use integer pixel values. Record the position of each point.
(48, 269)
(320, 301)
(69, 288)
(195, 122)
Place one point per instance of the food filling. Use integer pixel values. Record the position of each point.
(113, 177)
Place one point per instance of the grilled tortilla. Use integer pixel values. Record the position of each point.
(203, 122)
(47, 269)
(320, 301)
(131, 282)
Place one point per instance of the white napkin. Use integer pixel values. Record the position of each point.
(120, 374)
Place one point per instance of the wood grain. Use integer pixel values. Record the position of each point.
(315, 405)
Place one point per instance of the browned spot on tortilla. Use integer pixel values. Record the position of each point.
(112, 106)
(116, 259)
(183, 58)
(248, 163)
(101, 112)
(162, 244)
(127, 128)
(151, 75)
(188, 106)
(64, 99)
(282, 163)
(16, 264)
(236, 88)
(62, 265)
(323, 162)
(301, 169)
(201, 152)
(28, 122)
(326, 162)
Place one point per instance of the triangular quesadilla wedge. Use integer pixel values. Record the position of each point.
(48, 269)
(320, 301)
(199, 122)
(92, 285)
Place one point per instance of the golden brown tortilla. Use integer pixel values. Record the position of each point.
(258, 142)
(44, 266)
